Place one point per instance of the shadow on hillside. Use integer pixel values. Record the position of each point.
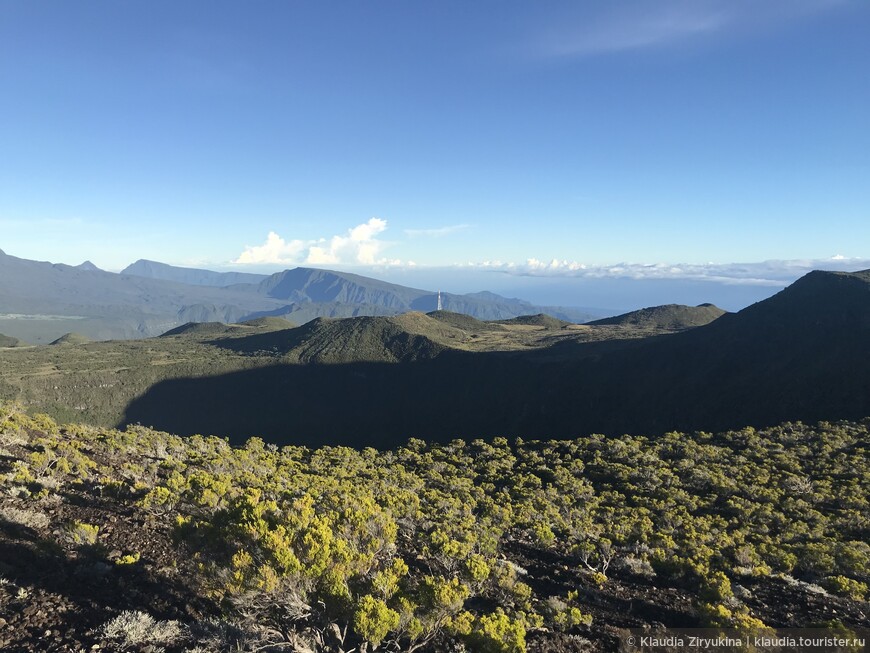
(276, 342)
(85, 578)
(356, 404)
(750, 369)
(554, 574)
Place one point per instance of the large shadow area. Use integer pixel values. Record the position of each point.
(356, 404)
(677, 382)
(803, 354)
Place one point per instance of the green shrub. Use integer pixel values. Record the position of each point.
(81, 534)
(845, 586)
(498, 633)
(373, 620)
(129, 559)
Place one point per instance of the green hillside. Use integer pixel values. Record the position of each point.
(540, 319)
(97, 382)
(669, 316)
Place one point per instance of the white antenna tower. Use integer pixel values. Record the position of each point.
(439, 301)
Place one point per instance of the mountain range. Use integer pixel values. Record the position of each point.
(41, 301)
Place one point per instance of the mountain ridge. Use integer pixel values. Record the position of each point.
(41, 301)
(725, 374)
(191, 276)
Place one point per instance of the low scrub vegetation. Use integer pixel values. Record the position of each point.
(336, 549)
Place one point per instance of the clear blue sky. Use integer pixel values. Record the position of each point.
(368, 133)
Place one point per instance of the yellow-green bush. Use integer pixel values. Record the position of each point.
(844, 586)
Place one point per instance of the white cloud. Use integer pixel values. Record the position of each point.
(275, 250)
(765, 273)
(554, 265)
(362, 245)
(359, 246)
(438, 232)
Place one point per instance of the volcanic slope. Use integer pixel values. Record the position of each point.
(9, 341)
(803, 354)
(203, 329)
(350, 340)
(95, 382)
(402, 338)
(407, 337)
(669, 316)
(541, 320)
(106, 536)
(71, 338)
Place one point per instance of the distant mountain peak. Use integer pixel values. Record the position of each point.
(191, 276)
(819, 297)
(71, 339)
(830, 275)
(88, 266)
(819, 284)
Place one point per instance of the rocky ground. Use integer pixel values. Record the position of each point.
(56, 595)
(95, 527)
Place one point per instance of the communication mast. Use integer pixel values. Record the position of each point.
(439, 301)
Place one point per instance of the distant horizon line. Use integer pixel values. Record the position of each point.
(770, 272)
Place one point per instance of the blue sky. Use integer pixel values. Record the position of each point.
(545, 139)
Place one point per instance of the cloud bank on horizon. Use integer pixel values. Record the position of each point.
(361, 247)
(762, 273)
